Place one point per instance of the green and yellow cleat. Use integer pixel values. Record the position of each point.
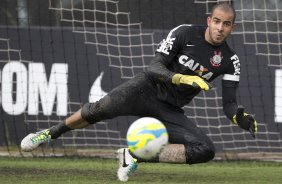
(33, 140)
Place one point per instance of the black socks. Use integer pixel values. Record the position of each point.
(57, 130)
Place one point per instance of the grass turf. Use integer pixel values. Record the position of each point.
(92, 170)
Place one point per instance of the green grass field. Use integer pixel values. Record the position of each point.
(93, 170)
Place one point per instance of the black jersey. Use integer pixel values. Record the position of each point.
(185, 51)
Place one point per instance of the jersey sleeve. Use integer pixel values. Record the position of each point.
(170, 46)
(165, 54)
(230, 82)
(229, 100)
(233, 71)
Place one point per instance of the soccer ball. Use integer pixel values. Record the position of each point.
(146, 137)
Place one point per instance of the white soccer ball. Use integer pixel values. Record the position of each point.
(146, 137)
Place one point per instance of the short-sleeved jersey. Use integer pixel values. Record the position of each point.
(185, 51)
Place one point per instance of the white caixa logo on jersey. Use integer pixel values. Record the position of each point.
(166, 45)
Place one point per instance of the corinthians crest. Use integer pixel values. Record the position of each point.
(216, 59)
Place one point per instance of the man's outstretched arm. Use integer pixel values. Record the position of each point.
(236, 114)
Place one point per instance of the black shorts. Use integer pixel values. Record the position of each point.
(138, 97)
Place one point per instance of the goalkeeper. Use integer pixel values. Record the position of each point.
(185, 62)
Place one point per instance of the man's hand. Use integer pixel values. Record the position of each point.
(194, 81)
(245, 121)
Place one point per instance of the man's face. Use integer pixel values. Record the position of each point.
(220, 26)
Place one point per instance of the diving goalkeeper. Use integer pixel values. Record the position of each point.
(184, 63)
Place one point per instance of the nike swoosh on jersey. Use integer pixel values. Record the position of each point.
(124, 162)
(188, 45)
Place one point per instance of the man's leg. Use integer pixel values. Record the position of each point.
(191, 151)
(188, 143)
(120, 101)
(75, 121)
(33, 140)
(173, 153)
(186, 152)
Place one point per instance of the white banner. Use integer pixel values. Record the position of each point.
(26, 88)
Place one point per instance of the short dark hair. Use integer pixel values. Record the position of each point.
(225, 6)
